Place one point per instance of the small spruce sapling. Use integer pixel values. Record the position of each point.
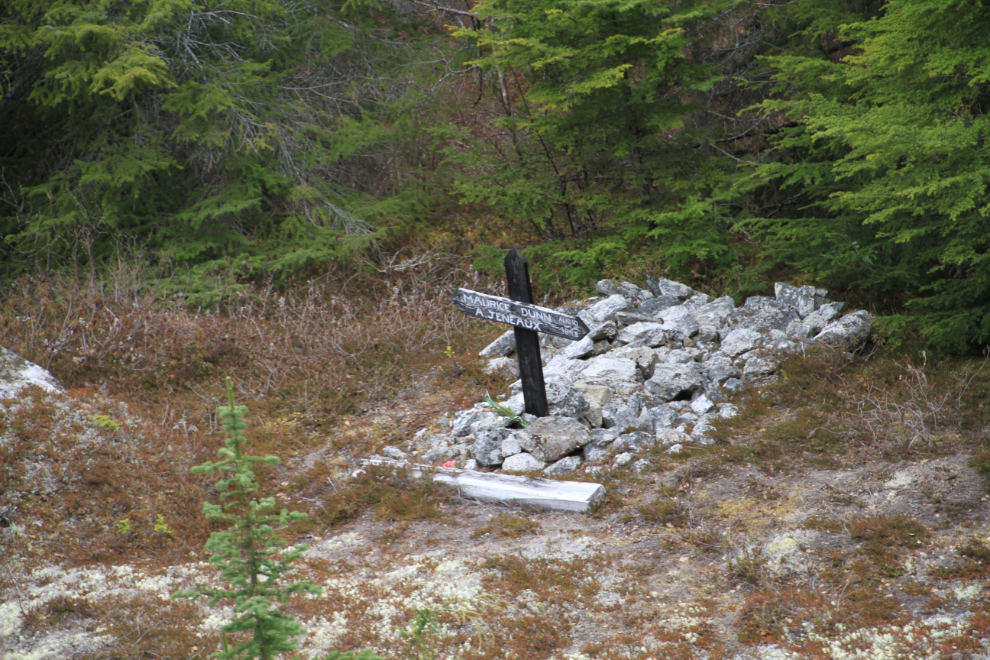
(248, 553)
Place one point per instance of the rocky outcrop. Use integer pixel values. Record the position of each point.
(16, 373)
(658, 368)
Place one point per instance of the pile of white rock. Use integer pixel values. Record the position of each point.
(657, 368)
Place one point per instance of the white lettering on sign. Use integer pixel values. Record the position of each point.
(520, 315)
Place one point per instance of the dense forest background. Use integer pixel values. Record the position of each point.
(725, 143)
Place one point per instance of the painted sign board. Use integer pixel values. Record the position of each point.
(518, 314)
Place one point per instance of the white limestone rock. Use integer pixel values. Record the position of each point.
(511, 446)
(800, 299)
(654, 306)
(503, 367)
(551, 438)
(607, 287)
(641, 465)
(663, 417)
(608, 368)
(594, 454)
(719, 369)
(641, 331)
(675, 381)
(563, 366)
(728, 410)
(740, 341)
(680, 328)
(604, 310)
(566, 465)
(669, 437)
(621, 416)
(501, 347)
(702, 405)
(579, 349)
(760, 368)
(636, 442)
(564, 399)
(848, 332)
(623, 459)
(821, 317)
(606, 330)
(645, 358)
(487, 447)
(522, 463)
(713, 318)
(661, 286)
(734, 386)
(595, 395)
(763, 314)
(17, 373)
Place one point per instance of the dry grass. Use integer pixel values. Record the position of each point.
(832, 409)
(326, 346)
(306, 361)
(506, 526)
(392, 495)
(69, 467)
(144, 378)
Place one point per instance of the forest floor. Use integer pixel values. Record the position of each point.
(842, 514)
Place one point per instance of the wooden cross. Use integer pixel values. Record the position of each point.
(528, 320)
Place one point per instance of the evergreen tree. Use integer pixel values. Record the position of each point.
(199, 130)
(883, 177)
(602, 132)
(249, 554)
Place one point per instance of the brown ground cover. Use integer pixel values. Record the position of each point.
(843, 511)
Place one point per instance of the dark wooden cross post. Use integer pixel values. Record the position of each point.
(527, 341)
(528, 320)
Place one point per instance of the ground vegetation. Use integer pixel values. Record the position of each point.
(287, 193)
(725, 142)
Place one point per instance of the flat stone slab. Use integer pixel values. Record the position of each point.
(574, 496)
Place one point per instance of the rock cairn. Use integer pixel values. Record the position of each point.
(657, 368)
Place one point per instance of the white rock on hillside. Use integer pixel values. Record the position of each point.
(17, 373)
(848, 332)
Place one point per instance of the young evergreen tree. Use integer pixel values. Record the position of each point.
(250, 555)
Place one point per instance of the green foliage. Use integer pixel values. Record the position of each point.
(348, 655)
(201, 131)
(592, 141)
(884, 174)
(421, 636)
(715, 141)
(505, 411)
(161, 526)
(105, 422)
(248, 553)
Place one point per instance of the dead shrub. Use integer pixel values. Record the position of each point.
(392, 494)
(553, 581)
(771, 615)
(665, 511)
(147, 627)
(73, 466)
(508, 527)
(833, 407)
(885, 538)
(326, 344)
(974, 564)
(747, 567)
